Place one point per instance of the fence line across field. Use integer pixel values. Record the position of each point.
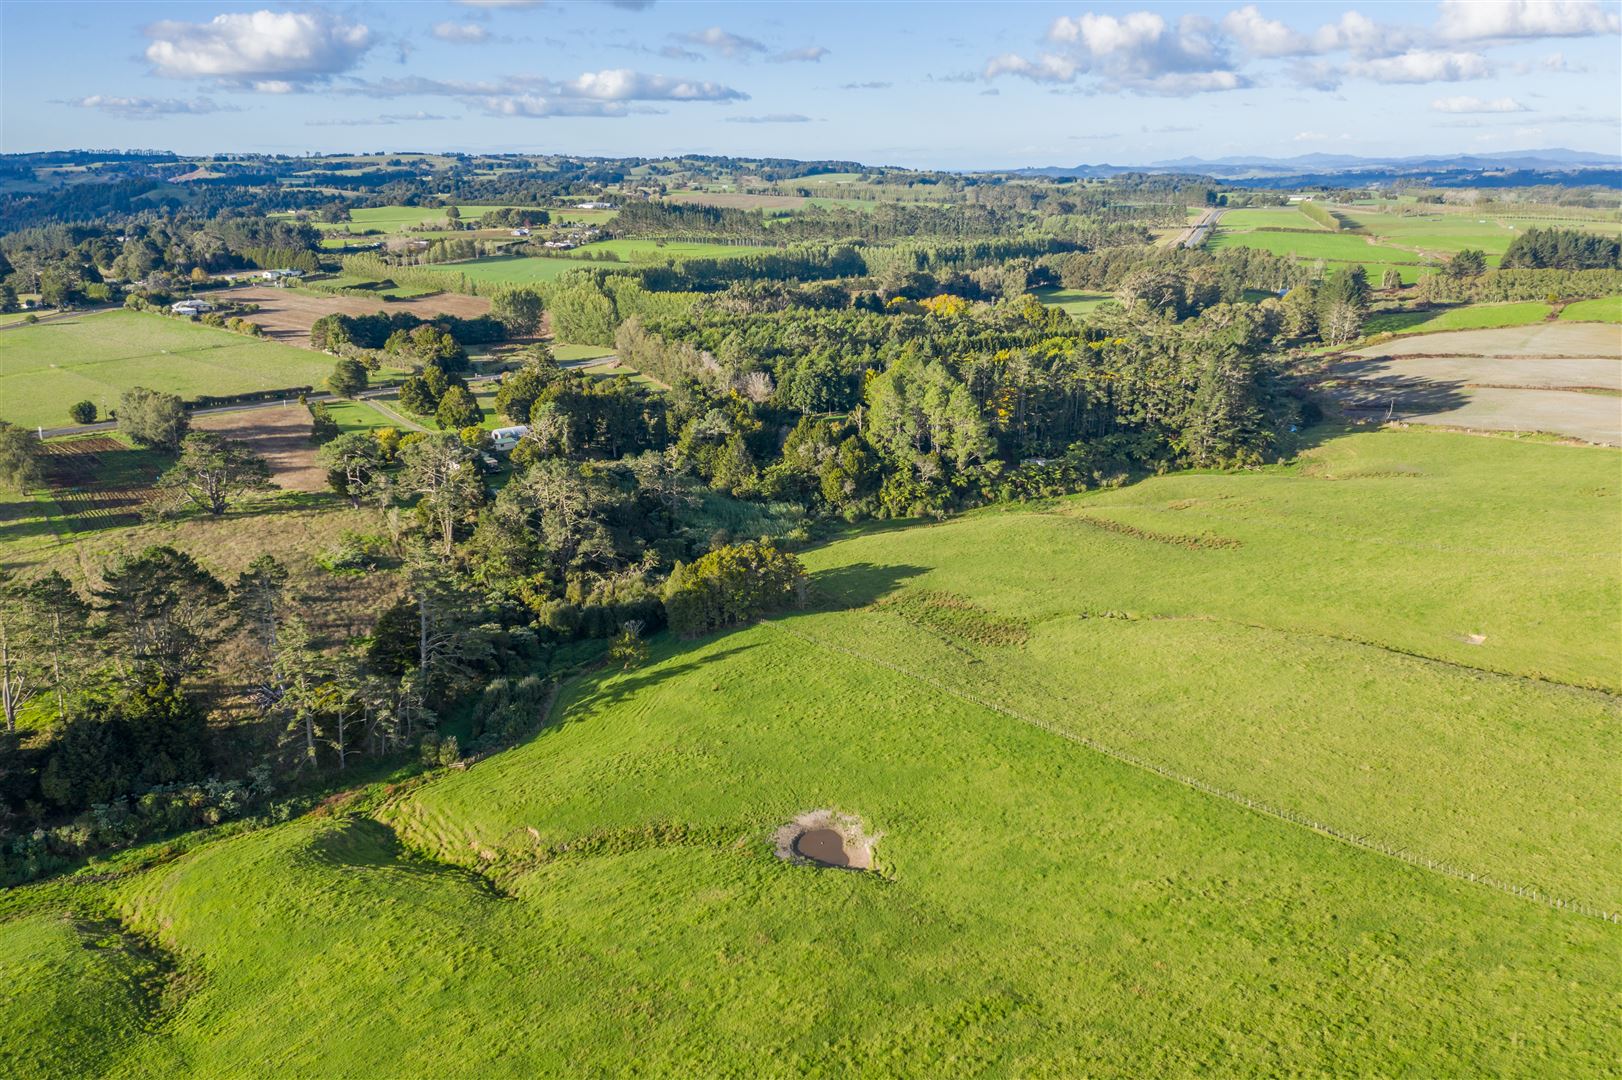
(1356, 840)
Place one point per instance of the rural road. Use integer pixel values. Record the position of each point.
(1200, 231)
(276, 403)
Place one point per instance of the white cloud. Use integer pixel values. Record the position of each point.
(875, 85)
(622, 84)
(140, 108)
(809, 54)
(721, 42)
(609, 93)
(1261, 36)
(462, 33)
(1422, 66)
(1360, 35)
(1311, 136)
(1139, 51)
(1466, 104)
(1481, 20)
(501, 3)
(273, 52)
(771, 118)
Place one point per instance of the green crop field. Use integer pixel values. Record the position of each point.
(97, 357)
(1058, 717)
(1072, 301)
(1602, 309)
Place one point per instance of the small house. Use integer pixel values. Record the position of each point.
(520, 231)
(505, 438)
(191, 307)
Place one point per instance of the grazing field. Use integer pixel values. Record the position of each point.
(1328, 638)
(1335, 247)
(357, 416)
(631, 250)
(281, 436)
(579, 352)
(510, 269)
(1555, 377)
(1601, 309)
(1269, 217)
(1072, 301)
(97, 357)
(1463, 317)
(288, 314)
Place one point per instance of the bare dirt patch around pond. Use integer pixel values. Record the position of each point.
(826, 838)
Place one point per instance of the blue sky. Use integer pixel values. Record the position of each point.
(937, 84)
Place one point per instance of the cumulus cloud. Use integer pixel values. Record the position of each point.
(140, 108)
(1483, 20)
(807, 54)
(612, 92)
(771, 118)
(269, 51)
(721, 42)
(1261, 36)
(462, 33)
(1139, 51)
(1422, 66)
(1466, 104)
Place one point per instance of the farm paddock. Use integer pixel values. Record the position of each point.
(1561, 378)
(288, 314)
(280, 435)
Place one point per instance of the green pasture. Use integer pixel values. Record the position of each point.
(1463, 317)
(510, 269)
(1335, 247)
(1409, 637)
(633, 250)
(1268, 217)
(579, 352)
(1072, 301)
(1602, 309)
(46, 368)
(357, 416)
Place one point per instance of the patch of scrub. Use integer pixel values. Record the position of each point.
(954, 616)
(826, 838)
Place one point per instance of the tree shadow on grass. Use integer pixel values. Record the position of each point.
(611, 688)
(841, 588)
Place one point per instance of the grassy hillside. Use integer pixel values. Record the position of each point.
(97, 357)
(1408, 637)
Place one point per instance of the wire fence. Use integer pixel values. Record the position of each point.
(1357, 840)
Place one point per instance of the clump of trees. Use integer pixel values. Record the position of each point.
(1562, 249)
(731, 585)
(153, 418)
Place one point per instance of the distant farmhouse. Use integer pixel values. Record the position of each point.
(191, 307)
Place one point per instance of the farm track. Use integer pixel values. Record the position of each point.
(1356, 840)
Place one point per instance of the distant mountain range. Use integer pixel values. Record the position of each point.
(1553, 165)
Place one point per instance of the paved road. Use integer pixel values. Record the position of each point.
(1200, 231)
